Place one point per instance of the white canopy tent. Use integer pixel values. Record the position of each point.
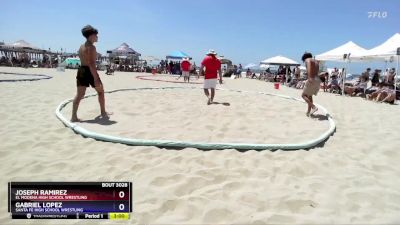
(280, 60)
(383, 51)
(337, 54)
(344, 53)
(386, 51)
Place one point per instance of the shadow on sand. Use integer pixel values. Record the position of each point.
(221, 103)
(319, 117)
(100, 120)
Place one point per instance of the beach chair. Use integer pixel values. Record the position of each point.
(109, 70)
(335, 89)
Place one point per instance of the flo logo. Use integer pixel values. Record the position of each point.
(377, 15)
(28, 215)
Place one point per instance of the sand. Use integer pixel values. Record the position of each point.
(353, 178)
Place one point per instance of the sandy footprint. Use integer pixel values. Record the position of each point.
(218, 215)
(166, 180)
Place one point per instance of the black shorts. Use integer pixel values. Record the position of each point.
(84, 77)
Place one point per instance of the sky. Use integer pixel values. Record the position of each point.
(243, 31)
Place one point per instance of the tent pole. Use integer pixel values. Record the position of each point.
(287, 74)
(386, 62)
(395, 77)
(345, 73)
(343, 79)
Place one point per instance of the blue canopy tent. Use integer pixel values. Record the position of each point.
(178, 55)
(71, 63)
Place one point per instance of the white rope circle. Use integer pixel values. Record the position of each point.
(205, 146)
(35, 77)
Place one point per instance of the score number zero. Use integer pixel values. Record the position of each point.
(121, 194)
(121, 206)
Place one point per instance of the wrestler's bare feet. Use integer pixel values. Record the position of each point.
(106, 114)
(313, 110)
(209, 101)
(75, 119)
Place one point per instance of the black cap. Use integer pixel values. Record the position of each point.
(88, 30)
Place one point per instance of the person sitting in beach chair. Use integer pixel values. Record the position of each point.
(382, 94)
(324, 80)
(389, 78)
(376, 77)
(390, 96)
(283, 78)
(334, 86)
(263, 76)
(374, 92)
(360, 87)
(109, 70)
(269, 76)
(293, 81)
(248, 73)
(300, 84)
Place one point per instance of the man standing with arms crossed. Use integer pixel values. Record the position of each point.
(212, 67)
(87, 73)
(313, 82)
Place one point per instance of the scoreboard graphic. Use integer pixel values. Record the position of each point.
(70, 200)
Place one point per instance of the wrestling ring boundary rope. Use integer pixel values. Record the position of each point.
(204, 146)
(145, 77)
(42, 77)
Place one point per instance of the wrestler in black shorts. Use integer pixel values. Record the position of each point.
(84, 77)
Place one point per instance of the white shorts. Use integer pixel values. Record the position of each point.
(210, 83)
(312, 88)
(185, 73)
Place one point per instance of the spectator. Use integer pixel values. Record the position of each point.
(376, 77)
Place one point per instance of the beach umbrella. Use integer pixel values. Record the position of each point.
(251, 66)
(150, 58)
